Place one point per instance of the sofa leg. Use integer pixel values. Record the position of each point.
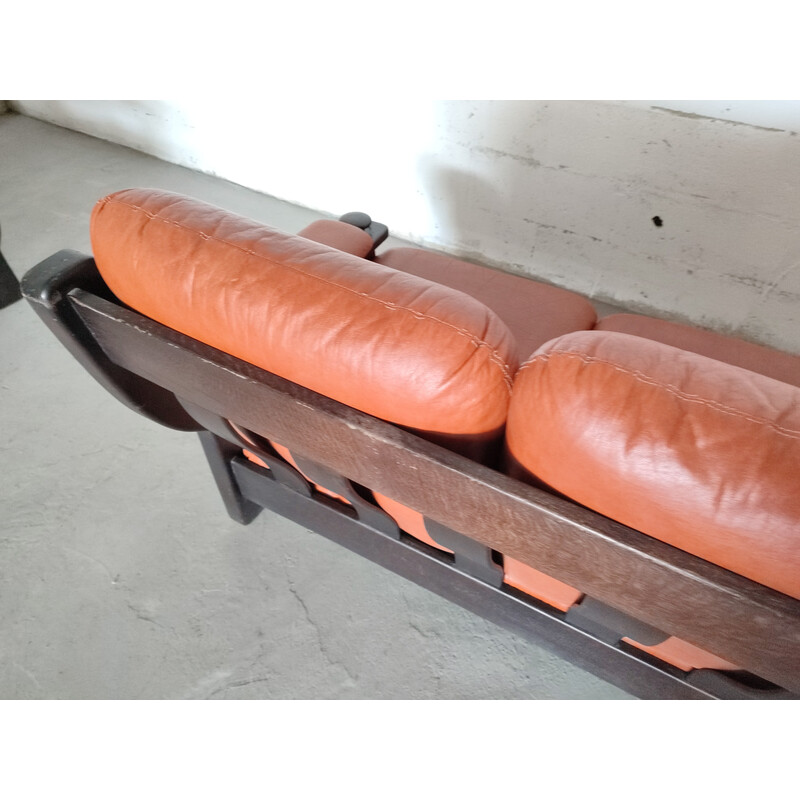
(219, 454)
(9, 285)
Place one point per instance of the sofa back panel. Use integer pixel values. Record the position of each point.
(534, 312)
(764, 360)
(389, 344)
(697, 453)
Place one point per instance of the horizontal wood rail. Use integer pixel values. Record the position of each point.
(746, 623)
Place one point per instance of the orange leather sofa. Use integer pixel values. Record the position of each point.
(687, 440)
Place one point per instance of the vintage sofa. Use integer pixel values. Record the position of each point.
(623, 490)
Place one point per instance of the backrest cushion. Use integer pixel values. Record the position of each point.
(393, 345)
(700, 454)
(535, 312)
(339, 235)
(757, 358)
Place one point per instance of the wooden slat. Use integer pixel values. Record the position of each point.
(753, 626)
(504, 606)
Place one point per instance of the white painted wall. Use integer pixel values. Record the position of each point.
(563, 190)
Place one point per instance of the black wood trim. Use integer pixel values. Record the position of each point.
(10, 290)
(46, 287)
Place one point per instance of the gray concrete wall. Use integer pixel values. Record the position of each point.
(676, 213)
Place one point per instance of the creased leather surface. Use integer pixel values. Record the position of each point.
(698, 453)
(340, 235)
(393, 345)
(764, 360)
(534, 312)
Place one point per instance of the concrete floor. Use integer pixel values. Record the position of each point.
(121, 576)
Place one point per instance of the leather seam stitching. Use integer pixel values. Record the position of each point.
(674, 390)
(494, 356)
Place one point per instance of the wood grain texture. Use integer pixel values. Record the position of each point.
(46, 288)
(537, 622)
(746, 623)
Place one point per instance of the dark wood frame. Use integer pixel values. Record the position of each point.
(628, 577)
(9, 285)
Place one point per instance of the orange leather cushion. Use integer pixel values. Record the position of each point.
(534, 312)
(287, 456)
(684, 656)
(764, 360)
(537, 584)
(341, 235)
(410, 521)
(393, 345)
(698, 453)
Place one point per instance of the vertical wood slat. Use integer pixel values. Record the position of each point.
(506, 607)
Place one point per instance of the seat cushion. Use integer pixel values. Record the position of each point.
(764, 360)
(393, 345)
(534, 312)
(700, 454)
